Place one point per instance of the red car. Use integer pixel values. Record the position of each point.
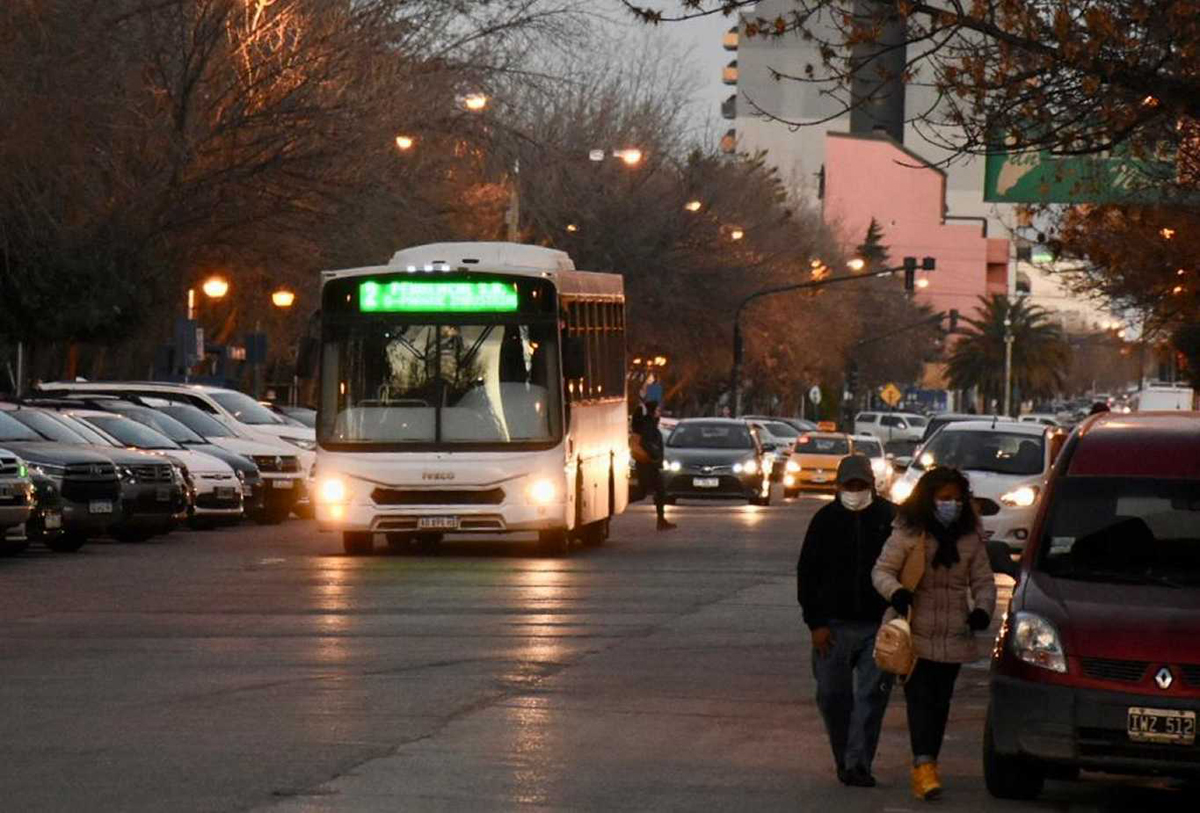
(1097, 664)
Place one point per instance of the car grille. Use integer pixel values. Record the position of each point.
(149, 504)
(91, 471)
(1113, 743)
(1191, 674)
(153, 473)
(8, 466)
(16, 498)
(397, 496)
(84, 490)
(704, 470)
(277, 463)
(212, 501)
(1109, 669)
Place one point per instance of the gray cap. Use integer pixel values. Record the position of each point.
(855, 467)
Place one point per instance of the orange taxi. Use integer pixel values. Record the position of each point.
(814, 461)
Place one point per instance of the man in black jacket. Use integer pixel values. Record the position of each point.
(843, 611)
(650, 474)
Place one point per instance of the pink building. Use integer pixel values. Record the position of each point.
(873, 176)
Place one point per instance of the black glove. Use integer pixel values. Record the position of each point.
(902, 600)
(978, 620)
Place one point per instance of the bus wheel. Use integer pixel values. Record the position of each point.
(358, 543)
(554, 542)
(595, 534)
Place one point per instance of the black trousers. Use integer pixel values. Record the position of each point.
(651, 480)
(927, 694)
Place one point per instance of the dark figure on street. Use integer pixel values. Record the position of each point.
(1098, 407)
(650, 473)
(954, 600)
(843, 611)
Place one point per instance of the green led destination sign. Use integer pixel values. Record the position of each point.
(437, 297)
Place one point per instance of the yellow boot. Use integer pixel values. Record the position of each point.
(925, 782)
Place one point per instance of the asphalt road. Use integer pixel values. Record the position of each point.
(259, 669)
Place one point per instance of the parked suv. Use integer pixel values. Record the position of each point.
(85, 481)
(16, 501)
(1097, 664)
(890, 426)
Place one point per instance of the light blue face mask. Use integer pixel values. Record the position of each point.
(947, 511)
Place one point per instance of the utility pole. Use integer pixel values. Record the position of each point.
(909, 268)
(1008, 343)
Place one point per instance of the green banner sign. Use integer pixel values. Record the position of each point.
(437, 297)
(1039, 177)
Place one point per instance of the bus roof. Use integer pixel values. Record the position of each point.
(504, 258)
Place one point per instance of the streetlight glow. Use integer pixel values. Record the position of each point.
(1178, 289)
(736, 234)
(404, 142)
(693, 205)
(215, 287)
(571, 227)
(922, 283)
(283, 298)
(475, 101)
(631, 157)
(856, 264)
(1167, 233)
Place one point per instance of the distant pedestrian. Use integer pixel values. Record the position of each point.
(1098, 407)
(954, 600)
(650, 473)
(843, 612)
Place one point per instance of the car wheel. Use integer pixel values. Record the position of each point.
(554, 542)
(66, 543)
(271, 516)
(358, 543)
(1009, 777)
(305, 511)
(594, 534)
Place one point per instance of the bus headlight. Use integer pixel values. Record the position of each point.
(332, 491)
(542, 492)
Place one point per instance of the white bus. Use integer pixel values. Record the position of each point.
(471, 388)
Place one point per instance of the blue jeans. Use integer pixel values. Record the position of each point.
(852, 694)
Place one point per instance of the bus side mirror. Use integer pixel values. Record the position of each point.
(574, 357)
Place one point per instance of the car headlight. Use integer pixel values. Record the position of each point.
(789, 480)
(901, 490)
(542, 492)
(303, 443)
(50, 470)
(672, 465)
(792, 467)
(879, 466)
(748, 467)
(332, 491)
(1021, 497)
(1034, 640)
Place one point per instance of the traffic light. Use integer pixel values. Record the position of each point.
(910, 274)
(852, 376)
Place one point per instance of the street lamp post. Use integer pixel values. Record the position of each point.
(1008, 343)
(735, 399)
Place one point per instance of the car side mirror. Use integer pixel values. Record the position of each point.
(574, 357)
(1000, 558)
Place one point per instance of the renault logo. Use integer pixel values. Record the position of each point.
(97, 471)
(1164, 678)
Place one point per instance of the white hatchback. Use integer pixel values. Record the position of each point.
(1007, 462)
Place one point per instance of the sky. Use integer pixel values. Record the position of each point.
(700, 40)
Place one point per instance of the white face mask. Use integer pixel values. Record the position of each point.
(855, 500)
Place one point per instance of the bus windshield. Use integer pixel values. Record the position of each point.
(394, 382)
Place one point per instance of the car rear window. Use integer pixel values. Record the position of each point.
(711, 436)
(807, 444)
(1123, 530)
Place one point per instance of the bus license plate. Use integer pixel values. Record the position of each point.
(281, 484)
(706, 482)
(100, 507)
(437, 524)
(1169, 726)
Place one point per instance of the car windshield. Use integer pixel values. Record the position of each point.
(130, 432)
(197, 420)
(1124, 530)
(86, 430)
(14, 430)
(49, 427)
(165, 424)
(871, 448)
(700, 435)
(388, 381)
(810, 444)
(779, 430)
(246, 409)
(306, 416)
(998, 452)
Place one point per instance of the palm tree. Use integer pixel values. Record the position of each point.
(1040, 354)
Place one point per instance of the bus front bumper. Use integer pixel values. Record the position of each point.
(460, 519)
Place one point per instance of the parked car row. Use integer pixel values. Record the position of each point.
(132, 461)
